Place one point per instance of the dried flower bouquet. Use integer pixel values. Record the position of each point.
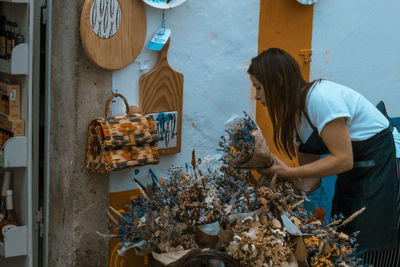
(244, 145)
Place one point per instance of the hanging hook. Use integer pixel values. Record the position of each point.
(114, 92)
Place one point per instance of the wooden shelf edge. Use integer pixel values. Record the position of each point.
(18, 64)
(15, 1)
(15, 242)
(15, 153)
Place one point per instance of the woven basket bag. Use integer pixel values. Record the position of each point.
(118, 142)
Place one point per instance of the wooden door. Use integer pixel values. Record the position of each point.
(285, 24)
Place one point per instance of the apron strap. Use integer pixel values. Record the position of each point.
(309, 121)
(298, 139)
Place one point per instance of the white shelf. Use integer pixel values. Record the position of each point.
(15, 1)
(18, 64)
(15, 242)
(15, 153)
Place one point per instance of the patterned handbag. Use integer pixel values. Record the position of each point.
(118, 142)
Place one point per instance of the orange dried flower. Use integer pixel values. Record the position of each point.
(319, 215)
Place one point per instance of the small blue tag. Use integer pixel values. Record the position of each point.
(159, 39)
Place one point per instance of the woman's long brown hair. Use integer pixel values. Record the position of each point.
(285, 92)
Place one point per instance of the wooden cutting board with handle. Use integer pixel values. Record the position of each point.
(161, 90)
(113, 31)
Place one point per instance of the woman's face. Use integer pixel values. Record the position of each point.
(260, 93)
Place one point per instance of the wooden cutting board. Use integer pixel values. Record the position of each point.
(113, 31)
(161, 90)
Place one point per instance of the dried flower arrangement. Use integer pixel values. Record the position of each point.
(244, 145)
(260, 239)
(247, 219)
(168, 211)
(328, 246)
(207, 205)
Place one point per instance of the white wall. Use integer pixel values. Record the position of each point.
(357, 43)
(212, 43)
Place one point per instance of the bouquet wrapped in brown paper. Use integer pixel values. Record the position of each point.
(244, 145)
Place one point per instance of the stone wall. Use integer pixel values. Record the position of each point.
(78, 199)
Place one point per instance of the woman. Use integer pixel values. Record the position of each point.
(329, 118)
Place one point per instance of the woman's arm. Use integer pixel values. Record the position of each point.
(309, 184)
(305, 158)
(337, 139)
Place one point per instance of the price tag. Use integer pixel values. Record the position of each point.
(159, 39)
(12, 95)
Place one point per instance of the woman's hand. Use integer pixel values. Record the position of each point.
(336, 137)
(279, 167)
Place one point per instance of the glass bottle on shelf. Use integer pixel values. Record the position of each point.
(4, 136)
(10, 135)
(7, 135)
(4, 188)
(13, 34)
(10, 221)
(9, 38)
(3, 41)
(19, 38)
(1, 139)
(6, 105)
(3, 104)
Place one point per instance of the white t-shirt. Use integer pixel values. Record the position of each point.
(329, 101)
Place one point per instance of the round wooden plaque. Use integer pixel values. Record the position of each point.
(162, 4)
(113, 31)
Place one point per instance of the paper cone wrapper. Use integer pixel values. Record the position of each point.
(176, 258)
(261, 158)
(207, 234)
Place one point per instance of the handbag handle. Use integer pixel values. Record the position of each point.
(109, 101)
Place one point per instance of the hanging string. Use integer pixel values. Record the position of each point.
(114, 92)
(163, 20)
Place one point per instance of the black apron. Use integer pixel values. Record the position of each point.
(372, 183)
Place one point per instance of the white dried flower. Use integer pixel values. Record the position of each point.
(343, 236)
(252, 234)
(278, 241)
(254, 251)
(237, 238)
(276, 224)
(233, 248)
(228, 209)
(212, 197)
(278, 232)
(248, 219)
(317, 223)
